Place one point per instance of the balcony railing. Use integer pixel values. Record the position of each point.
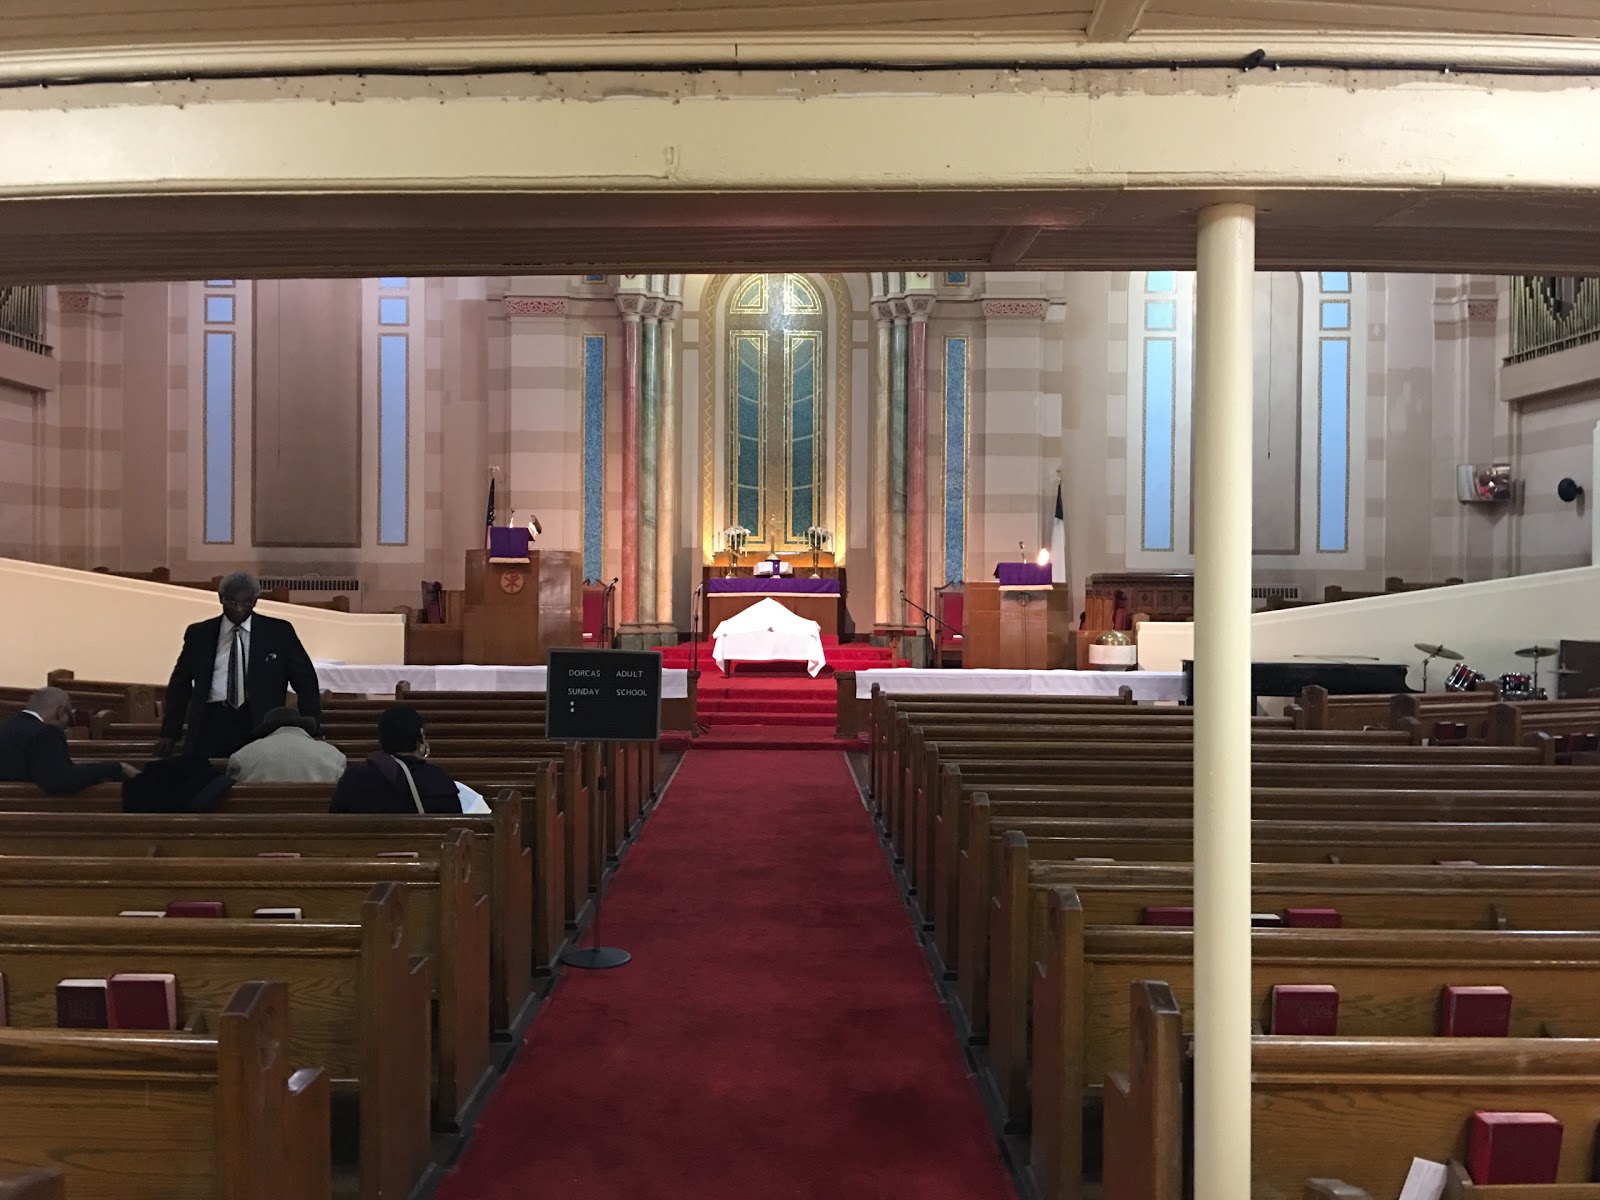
(22, 318)
(1551, 313)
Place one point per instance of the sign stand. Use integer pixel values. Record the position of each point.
(602, 696)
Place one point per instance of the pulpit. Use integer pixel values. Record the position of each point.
(1020, 622)
(517, 607)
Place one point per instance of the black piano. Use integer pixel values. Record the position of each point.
(1291, 678)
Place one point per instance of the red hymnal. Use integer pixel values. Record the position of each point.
(137, 1001)
(1307, 1009)
(1513, 1147)
(1168, 914)
(1474, 1012)
(1312, 918)
(195, 908)
(81, 1004)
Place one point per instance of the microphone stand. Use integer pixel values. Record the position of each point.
(695, 601)
(926, 617)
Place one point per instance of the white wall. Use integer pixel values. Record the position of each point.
(1486, 622)
(105, 627)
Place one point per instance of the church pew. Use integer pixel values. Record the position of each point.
(521, 873)
(974, 941)
(166, 1116)
(1388, 983)
(447, 921)
(360, 1002)
(1355, 1108)
(854, 715)
(1135, 839)
(1367, 897)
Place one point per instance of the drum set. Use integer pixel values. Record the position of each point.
(1513, 686)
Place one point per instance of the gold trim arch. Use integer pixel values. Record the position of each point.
(713, 325)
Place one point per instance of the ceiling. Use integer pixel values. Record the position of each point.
(190, 237)
(35, 25)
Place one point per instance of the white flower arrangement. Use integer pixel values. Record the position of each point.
(817, 537)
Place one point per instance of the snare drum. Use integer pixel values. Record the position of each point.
(1462, 678)
(1516, 685)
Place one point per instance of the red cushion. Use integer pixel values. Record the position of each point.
(952, 608)
(594, 612)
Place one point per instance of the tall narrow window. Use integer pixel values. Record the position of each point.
(1159, 409)
(777, 414)
(219, 375)
(594, 455)
(955, 459)
(1333, 411)
(394, 412)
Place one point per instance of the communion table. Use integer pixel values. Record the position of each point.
(810, 599)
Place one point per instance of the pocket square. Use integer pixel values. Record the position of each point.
(273, 657)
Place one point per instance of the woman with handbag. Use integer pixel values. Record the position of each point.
(398, 778)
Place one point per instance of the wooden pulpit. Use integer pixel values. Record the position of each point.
(514, 612)
(1017, 629)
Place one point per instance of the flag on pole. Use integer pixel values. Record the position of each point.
(1058, 539)
(488, 520)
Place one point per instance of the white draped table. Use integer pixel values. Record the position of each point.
(381, 679)
(1147, 686)
(768, 632)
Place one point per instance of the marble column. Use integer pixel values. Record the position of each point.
(667, 467)
(917, 457)
(630, 463)
(883, 596)
(898, 345)
(649, 449)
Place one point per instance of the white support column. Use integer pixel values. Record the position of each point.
(1225, 289)
(1590, 499)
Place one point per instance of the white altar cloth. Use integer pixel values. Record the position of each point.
(380, 679)
(1147, 686)
(768, 632)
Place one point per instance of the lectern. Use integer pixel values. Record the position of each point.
(517, 608)
(1019, 623)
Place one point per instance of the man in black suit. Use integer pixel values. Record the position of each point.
(33, 748)
(232, 671)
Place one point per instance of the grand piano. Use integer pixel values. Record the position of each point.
(1291, 678)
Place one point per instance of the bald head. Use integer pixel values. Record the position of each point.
(53, 706)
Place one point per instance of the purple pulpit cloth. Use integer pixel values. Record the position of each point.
(773, 587)
(1022, 574)
(508, 541)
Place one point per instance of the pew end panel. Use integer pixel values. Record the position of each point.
(465, 1072)
(1144, 1106)
(1056, 1148)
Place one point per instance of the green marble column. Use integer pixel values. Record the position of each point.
(649, 457)
(899, 344)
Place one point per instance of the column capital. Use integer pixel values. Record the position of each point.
(631, 306)
(921, 307)
(883, 311)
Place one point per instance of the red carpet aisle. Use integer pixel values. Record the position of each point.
(776, 1036)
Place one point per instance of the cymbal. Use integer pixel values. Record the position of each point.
(1439, 652)
(1536, 652)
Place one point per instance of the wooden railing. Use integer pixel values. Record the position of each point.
(1551, 313)
(22, 318)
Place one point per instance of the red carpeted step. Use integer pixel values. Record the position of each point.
(776, 1036)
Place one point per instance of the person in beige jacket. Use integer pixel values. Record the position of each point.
(285, 749)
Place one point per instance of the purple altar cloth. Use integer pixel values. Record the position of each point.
(1022, 574)
(774, 587)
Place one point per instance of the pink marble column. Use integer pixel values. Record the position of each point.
(917, 463)
(630, 468)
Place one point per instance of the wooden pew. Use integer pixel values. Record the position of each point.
(360, 1002)
(1355, 1108)
(33, 1185)
(1388, 982)
(167, 1116)
(447, 922)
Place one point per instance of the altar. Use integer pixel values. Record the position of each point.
(810, 599)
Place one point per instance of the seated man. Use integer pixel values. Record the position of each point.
(285, 749)
(397, 779)
(33, 748)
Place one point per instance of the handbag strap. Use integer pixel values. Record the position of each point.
(411, 783)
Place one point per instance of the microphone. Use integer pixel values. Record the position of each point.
(1022, 552)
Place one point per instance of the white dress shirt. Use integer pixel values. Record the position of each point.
(219, 670)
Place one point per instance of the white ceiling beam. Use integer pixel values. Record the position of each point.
(1115, 20)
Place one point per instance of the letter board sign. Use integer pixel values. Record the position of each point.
(603, 696)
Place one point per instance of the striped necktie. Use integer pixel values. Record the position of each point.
(236, 669)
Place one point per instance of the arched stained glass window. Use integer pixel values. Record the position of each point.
(776, 365)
